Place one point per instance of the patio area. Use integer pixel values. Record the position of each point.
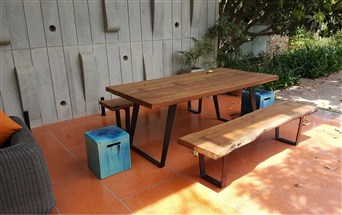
(265, 177)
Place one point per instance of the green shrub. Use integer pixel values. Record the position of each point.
(309, 62)
(303, 38)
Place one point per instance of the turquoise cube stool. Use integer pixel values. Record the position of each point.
(108, 151)
(263, 98)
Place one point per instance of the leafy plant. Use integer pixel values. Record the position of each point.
(201, 48)
(237, 18)
(311, 61)
(302, 38)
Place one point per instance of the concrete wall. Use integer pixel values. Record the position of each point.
(259, 44)
(40, 69)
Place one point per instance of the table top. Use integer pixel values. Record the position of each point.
(176, 89)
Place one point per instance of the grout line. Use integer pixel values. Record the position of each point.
(69, 177)
(57, 209)
(296, 202)
(252, 196)
(115, 196)
(67, 150)
(150, 187)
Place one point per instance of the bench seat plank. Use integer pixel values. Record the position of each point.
(220, 140)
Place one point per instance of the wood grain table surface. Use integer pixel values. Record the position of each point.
(171, 90)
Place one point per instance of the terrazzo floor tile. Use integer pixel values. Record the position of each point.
(84, 194)
(178, 196)
(61, 164)
(74, 136)
(141, 176)
(266, 176)
(270, 202)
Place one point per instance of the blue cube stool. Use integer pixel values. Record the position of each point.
(264, 98)
(108, 151)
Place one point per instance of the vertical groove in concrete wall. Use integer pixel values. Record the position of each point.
(49, 35)
(2, 108)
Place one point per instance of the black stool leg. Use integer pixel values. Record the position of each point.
(128, 119)
(103, 111)
(118, 118)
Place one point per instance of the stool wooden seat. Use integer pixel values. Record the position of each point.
(116, 105)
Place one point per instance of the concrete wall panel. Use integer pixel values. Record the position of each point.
(74, 75)
(96, 21)
(5, 36)
(137, 66)
(17, 24)
(67, 19)
(49, 35)
(114, 64)
(100, 52)
(126, 62)
(46, 95)
(146, 19)
(91, 80)
(9, 88)
(60, 83)
(134, 20)
(27, 83)
(52, 25)
(82, 22)
(34, 20)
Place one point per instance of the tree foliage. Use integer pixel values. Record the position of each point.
(237, 17)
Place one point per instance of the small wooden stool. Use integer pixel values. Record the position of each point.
(116, 105)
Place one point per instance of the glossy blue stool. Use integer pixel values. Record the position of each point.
(263, 98)
(108, 151)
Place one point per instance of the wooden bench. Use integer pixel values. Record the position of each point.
(116, 105)
(218, 141)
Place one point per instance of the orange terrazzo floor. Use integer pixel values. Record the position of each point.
(264, 177)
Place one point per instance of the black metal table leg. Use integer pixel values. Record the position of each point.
(252, 98)
(217, 109)
(199, 108)
(134, 122)
(127, 119)
(167, 135)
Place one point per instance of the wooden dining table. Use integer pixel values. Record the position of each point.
(170, 91)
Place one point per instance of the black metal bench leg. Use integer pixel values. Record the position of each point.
(210, 179)
(118, 118)
(128, 119)
(277, 134)
(199, 108)
(217, 109)
(27, 119)
(103, 111)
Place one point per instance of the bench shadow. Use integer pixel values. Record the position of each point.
(268, 170)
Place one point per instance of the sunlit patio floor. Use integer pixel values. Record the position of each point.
(265, 176)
